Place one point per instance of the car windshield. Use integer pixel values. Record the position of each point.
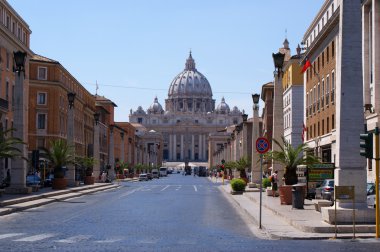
(330, 183)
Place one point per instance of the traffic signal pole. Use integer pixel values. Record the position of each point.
(377, 180)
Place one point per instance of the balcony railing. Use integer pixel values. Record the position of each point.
(4, 104)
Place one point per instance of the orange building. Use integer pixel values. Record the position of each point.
(49, 84)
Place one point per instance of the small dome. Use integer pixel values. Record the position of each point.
(235, 111)
(139, 111)
(223, 107)
(155, 108)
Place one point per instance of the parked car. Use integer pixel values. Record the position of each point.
(143, 177)
(326, 190)
(33, 180)
(149, 175)
(49, 180)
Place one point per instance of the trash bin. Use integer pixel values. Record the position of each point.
(297, 196)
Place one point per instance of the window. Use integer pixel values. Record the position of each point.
(319, 96)
(139, 120)
(333, 122)
(328, 125)
(327, 54)
(42, 73)
(323, 93)
(323, 59)
(41, 98)
(323, 127)
(8, 60)
(41, 121)
(7, 90)
(327, 89)
(332, 49)
(332, 86)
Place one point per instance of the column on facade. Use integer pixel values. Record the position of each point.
(122, 156)
(204, 147)
(96, 169)
(170, 147)
(192, 147)
(175, 146)
(182, 156)
(200, 149)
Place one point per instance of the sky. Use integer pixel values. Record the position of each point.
(134, 49)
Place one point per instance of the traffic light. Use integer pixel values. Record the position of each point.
(366, 145)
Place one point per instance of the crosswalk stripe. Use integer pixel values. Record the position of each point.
(74, 239)
(165, 188)
(109, 240)
(36, 237)
(4, 236)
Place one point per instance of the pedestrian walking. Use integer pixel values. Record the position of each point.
(274, 182)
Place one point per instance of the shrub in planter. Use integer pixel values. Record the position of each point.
(238, 185)
(266, 182)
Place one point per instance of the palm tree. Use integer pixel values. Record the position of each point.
(60, 154)
(7, 145)
(87, 163)
(241, 165)
(291, 157)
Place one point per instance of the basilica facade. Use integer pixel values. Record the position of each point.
(189, 116)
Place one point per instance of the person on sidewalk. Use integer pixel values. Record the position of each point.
(274, 183)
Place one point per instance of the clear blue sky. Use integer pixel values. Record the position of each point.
(134, 49)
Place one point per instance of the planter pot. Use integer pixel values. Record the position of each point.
(89, 180)
(120, 176)
(59, 183)
(285, 194)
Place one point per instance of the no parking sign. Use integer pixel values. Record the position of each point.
(262, 145)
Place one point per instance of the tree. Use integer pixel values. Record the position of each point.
(291, 157)
(60, 154)
(7, 145)
(241, 165)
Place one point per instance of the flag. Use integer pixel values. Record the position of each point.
(306, 65)
(304, 129)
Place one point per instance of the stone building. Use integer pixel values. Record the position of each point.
(189, 116)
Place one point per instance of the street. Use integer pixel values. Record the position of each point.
(175, 213)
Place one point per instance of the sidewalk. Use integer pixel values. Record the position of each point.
(10, 203)
(283, 222)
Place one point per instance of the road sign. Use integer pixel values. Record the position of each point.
(262, 145)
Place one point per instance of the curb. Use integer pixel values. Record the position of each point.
(21, 204)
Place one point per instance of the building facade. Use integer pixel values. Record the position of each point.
(14, 36)
(189, 117)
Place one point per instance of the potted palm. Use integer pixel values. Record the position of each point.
(60, 154)
(241, 165)
(88, 164)
(290, 157)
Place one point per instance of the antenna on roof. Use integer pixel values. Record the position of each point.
(97, 87)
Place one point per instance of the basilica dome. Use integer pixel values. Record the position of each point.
(190, 83)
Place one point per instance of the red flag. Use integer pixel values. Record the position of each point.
(304, 129)
(306, 66)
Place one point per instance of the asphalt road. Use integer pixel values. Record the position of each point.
(177, 213)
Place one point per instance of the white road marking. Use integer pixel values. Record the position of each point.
(179, 187)
(165, 188)
(36, 237)
(75, 239)
(4, 236)
(195, 188)
(129, 193)
(109, 240)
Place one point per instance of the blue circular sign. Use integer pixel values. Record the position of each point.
(262, 145)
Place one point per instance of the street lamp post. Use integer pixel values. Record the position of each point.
(278, 113)
(111, 161)
(19, 165)
(255, 167)
(70, 137)
(96, 146)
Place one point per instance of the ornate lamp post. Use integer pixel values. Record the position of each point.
(96, 146)
(19, 165)
(278, 115)
(111, 161)
(255, 167)
(70, 137)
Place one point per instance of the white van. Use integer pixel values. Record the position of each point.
(163, 171)
(155, 173)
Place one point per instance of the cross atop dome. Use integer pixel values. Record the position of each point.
(190, 63)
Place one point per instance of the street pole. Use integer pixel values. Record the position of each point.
(377, 181)
(261, 189)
